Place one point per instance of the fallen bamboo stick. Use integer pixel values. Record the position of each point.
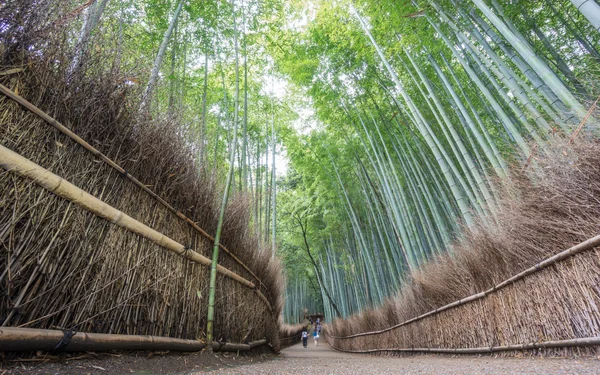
(66, 131)
(586, 245)
(16, 163)
(581, 342)
(32, 339)
(233, 347)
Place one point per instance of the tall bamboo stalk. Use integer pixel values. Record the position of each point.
(146, 97)
(534, 61)
(228, 183)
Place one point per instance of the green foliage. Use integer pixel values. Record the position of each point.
(366, 169)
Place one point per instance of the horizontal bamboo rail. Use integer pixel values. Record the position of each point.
(11, 161)
(66, 131)
(31, 339)
(586, 245)
(586, 341)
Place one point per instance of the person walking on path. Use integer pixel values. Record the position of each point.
(304, 338)
(316, 337)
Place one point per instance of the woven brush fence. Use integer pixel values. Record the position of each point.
(551, 306)
(64, 267)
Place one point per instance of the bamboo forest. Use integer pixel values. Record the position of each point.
(390, 177)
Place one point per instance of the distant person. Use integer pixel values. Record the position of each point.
(304, 338)
(318, 321)
(319, 329)
(316, 337)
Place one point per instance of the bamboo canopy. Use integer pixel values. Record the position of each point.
(14, 162)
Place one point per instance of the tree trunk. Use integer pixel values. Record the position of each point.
(534, 61)
(147, 96)
(273, 184)
(417, 118)
(204, 95)
(316, 267)
(591, 10)
(172, 72)
(92, 18)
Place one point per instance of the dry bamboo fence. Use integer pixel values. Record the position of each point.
(63, 267)
(503, 318)
(13, 162)
(66, 131)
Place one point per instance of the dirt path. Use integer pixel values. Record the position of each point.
(321, 360)
(324, 360)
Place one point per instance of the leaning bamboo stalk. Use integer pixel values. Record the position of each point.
(14, 162)
(584, 120)
(33, 339)
(586, 245)
(66, 131)
(586, 341)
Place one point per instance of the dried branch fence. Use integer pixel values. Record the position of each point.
(66, 131)
(63, 268)
(508, 311)
(14, 162)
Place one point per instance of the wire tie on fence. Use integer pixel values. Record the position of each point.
(187, 249)
(68, 335)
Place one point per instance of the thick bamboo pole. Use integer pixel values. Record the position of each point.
(586, 341)
(14, 162)
(591, 11)
(66, 131)
(31, 339)
(586, 245)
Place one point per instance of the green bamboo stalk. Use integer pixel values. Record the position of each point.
(534, 61)
(228, 183)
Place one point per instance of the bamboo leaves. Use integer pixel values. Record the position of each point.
(420, 114)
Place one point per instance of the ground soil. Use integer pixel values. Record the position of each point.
(295, 360)
(140, 363)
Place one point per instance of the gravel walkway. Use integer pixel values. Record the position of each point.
(324, 360)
